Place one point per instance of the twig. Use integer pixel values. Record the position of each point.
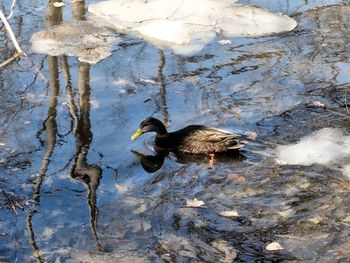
(12, 35)
(346, 103)
(11, 9)
(9, 60)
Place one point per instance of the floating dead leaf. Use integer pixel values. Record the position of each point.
(225, 42)
(58, 4)
(236, 178)
(305, 185)
(251, 135)
(194, 203)
(231, 213)
(274, 246)
(224, 247)
(316, 220)
(346, 219)
(286, 213)
(318, 104)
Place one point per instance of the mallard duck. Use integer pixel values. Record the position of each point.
(195, 139)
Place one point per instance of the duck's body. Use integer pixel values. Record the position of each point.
(195, 139)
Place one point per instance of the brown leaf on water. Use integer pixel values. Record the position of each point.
(236, 178)
(251, 135)
(225, 247)
(316, 220)
(318, 104)
(231, 213)
(194, 203)
(274, 246)
(346, 219)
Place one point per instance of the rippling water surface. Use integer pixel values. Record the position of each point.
(71, 189)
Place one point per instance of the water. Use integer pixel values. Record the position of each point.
(73, 191)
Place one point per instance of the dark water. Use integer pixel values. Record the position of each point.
(71, 189)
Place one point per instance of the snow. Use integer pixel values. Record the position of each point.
(186, 26)
(323, 147)
(82, 39)
(328, 146)
(346, 170)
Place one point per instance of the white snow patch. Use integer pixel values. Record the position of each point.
(186, 26)
(322, 147)
(224, 42)
(82, 39)
(346, 170)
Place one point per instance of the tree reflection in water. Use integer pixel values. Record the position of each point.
(90, 175)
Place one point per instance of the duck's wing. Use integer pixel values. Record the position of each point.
(200, 139)
(198, 133)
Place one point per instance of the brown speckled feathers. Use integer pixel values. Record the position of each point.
(200, 140)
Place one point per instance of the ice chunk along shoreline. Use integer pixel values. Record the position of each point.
(186, 26)
(328, 146)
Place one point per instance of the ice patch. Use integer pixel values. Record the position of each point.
(346, 170)
(82, 39)
(186, 26)
(323, 147)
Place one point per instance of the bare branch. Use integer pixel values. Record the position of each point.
(11, 34)
(9, 60)
(11, 9)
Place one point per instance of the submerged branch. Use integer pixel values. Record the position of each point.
(9, 60)
(11, 34)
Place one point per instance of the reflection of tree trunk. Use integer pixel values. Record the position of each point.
(70, 94)
(78, 10)
(50, 125)
(53, 17)
(32, 238)
(53, 14)
(88, 174)
(162, 90)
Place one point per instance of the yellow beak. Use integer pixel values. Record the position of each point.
(137, 134)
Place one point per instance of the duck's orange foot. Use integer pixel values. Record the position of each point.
(211, 160)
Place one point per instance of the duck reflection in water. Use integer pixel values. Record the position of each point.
(152, 163)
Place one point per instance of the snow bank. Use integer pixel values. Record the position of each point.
(82, 39)
(323, 147)
(187, 25)
(326, 146)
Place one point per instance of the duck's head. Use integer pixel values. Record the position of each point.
(150, 125)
